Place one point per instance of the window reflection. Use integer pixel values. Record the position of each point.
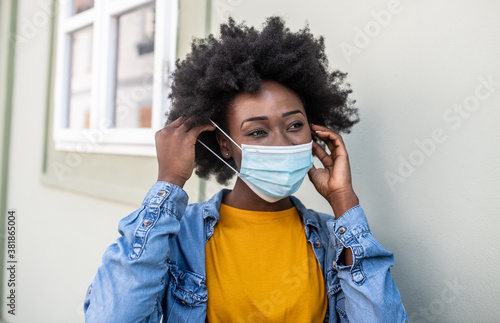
(82, 5)
(134, 69)
(81, 74)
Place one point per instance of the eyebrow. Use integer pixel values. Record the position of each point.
(286, 114)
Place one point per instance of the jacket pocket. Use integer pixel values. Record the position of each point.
(186, 287)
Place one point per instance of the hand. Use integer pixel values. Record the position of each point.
(333, 181)
(175, 150)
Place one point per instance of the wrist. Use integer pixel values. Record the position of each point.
(342, 201)
(172, 179)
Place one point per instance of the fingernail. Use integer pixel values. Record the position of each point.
(318, 131)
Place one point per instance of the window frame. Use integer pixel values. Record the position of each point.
(101, 137)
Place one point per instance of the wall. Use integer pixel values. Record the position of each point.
(409, 76)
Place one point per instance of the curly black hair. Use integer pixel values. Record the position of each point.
(217, 69)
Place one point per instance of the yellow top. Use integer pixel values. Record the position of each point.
(260, 268)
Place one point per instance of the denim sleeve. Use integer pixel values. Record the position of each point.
(368, 290)
(130, 284)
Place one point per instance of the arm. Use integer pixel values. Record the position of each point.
(361, 262)
(129, 286)
(333, 181)
(366, 282)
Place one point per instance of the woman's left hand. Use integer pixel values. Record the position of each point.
(333, 181)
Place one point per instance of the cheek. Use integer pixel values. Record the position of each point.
(304, 136)
(309, 135)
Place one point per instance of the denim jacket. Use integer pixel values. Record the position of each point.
(157, 267)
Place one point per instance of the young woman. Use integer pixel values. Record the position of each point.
(258, 104)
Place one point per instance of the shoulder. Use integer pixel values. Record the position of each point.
(195, 208)
(193, 215)
(203, 210)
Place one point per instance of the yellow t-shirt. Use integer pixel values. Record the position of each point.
(260, 268)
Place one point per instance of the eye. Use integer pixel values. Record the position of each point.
(256, 133)
(296, 125)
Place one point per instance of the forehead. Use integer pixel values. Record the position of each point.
(271, 99)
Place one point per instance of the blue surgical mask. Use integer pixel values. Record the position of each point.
(272, 172)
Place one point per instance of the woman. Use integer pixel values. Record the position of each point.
(255, 104)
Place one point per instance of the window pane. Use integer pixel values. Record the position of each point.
(134, 70)
(82, 5)
(81, 73)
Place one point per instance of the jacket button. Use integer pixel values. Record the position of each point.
(341, 230)
(146, 223)
(162, 193)
(317, 244)
(183, 302)
(90, 290)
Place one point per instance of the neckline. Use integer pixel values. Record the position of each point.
(256, 216)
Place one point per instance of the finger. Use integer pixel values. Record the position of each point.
(323, 156)
(316, 132)
(312, 171)
(187, 124)
(176, 123)
(316, 127)
(320, 130)
(195, 131)
(333, 141)
(330, 143)
(323, 136)
(175, 128)
(318, 151)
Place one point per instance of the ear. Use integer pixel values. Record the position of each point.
(223, 145)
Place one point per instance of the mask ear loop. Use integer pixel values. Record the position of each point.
(216, 155)
(225, 134)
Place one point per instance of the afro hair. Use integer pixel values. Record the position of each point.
(217, 69)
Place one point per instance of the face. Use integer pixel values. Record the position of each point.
(273, 116)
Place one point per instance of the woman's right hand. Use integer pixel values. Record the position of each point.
(175, 150)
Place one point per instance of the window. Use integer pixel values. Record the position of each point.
(113, 60)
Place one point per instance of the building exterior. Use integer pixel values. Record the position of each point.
(424, 156)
